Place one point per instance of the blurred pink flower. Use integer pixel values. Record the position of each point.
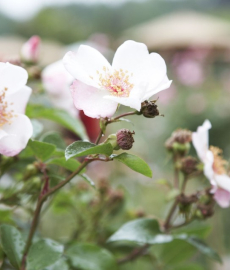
(214, 165)
(189, 66)
(15, 128)
(135, 76)
(56, 81)
(30, 49)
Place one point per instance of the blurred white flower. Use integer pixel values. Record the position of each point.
(135, 76)
(30, 49)
(56, 81)
(15, 128)
(214, 164)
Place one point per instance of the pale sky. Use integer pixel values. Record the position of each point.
(23, 9)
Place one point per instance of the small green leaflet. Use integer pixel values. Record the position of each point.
(42, 150)
(81, 148)
(135, 163)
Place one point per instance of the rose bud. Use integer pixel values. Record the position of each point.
(125, 139)
(30, 50)
(149, 109)
(189, 165)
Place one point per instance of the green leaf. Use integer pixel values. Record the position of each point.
(12, 244)
(80, 148)
(147, 231)
(70, 164)
(201, 246)
(43, 253)
(59, 265)
(135, 163)
(191, 266)
(54, 138)
(42, 150)
(90, 257)
(88, 180)
(59, 116)
(196, 228)
(143, 230)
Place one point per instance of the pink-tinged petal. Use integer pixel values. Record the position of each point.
(165, 84)
(17, 101)
(222, 197)
(200, 140)
(91, 101)
(56, 79)
(30, 49)
(148, 70)
(86, 65)
(12, 77)
(223, 181)
(19, 131)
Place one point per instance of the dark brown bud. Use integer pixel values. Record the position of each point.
(189, 165)
(149, 109)
(125, 139)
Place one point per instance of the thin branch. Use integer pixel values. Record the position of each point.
(137, 252)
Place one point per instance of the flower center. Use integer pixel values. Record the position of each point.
(219, 163)
(116, 82)
(5, 113)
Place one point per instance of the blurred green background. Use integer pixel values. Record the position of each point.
(194, 39)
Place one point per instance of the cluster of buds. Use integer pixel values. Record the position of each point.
(179, 141)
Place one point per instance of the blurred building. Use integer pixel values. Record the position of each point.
(181, 30)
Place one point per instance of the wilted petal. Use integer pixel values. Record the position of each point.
(17, 134)
(91, 101)
(12, 77)
(86, 64)
(200, 140)
(17, 101)
(222, 197)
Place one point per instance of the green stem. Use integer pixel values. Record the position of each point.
(170, 214)
(42, 199)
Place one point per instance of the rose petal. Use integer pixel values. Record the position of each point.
(19, 131)
(127, 101)
(17, 101)
(148, 69)
(200, 140)
(12, 77)
(56, 79)
(86, 64)
(222, 197)
(162, 86)
(91, 101)
(223, 181)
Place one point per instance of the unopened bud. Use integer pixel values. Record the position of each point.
(149, 109)
(125, 139)
(185, 203)
(189, 165)
(179, 141)
(206, 210)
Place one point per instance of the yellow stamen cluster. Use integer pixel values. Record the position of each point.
(219, 163)
(5, 114)
(117, 82)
